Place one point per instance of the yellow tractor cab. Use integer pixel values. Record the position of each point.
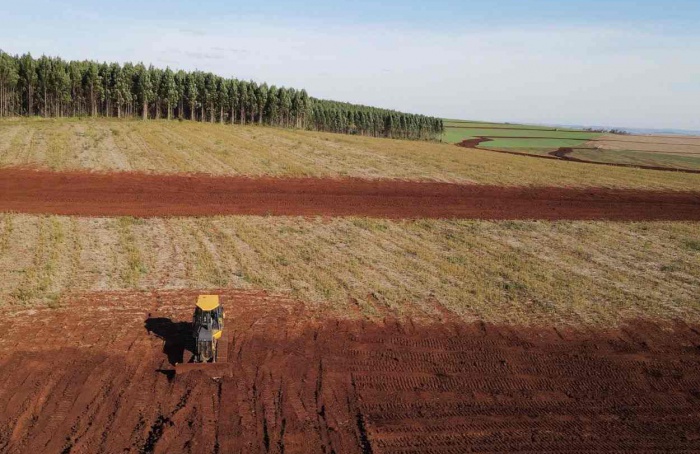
(208, 326)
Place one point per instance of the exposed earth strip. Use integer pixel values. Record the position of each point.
(144, 195)
(97, 378)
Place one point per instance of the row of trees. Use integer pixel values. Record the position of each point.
(52, 87)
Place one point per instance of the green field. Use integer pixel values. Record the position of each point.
(485, 124)
(541, 140)
(525, 145)
(458, 135)
(541, 137)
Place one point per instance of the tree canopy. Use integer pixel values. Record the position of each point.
(52, 87)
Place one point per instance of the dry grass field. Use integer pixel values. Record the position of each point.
(682, 152)
(683, 145)
(562, 273)
(160, 146)
(592, 273)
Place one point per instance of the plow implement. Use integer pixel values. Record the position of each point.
(214, 369)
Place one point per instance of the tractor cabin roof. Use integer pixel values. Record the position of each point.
(208, 302)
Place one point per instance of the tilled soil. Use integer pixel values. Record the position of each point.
(96, 376)
(138, 194)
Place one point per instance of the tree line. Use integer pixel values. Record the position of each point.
(52, 87)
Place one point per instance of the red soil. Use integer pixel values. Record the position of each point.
(95, 377)
(137, 194)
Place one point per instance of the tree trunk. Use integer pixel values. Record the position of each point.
(221, 115)
(92, 101)
(145, 110)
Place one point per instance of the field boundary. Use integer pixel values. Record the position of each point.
(562, 154)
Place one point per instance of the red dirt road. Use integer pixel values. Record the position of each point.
(94, 377)
(136, 194)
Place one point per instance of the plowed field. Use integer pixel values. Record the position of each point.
(137, 194)
(95, 376)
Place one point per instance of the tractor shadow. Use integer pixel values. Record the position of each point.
(177, 337)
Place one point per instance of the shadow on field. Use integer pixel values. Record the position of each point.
(177, 337)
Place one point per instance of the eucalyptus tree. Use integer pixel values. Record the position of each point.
(203, 98)
(180, 85)
(54, 87)
(144, 88)
(261, 101)
(285, 106)
(105, 90)
(210, 95)
(192, 94)
(242, 100)
(9, 77)
(251, 102)
(92, 86)
(60, 85)
(168, 91)
(232, 103)
(127, 88)
(27, 79)
(222, 98)
(156, 76)
(43, 71)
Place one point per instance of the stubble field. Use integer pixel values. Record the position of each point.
(176, 147)
(347, 333)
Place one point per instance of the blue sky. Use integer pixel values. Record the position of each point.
(616, 63)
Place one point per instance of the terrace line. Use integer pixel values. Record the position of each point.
(148, 195)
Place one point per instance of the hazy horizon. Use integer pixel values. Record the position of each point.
(619, 64)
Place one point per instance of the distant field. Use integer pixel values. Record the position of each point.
(528, 137)
(592, 273)
(663, 144)
(666, 151)
(490, 125)
(170, 147)
(456, 131)
(654, 151)
(527, 144)
(647, 158)
(526, 133)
